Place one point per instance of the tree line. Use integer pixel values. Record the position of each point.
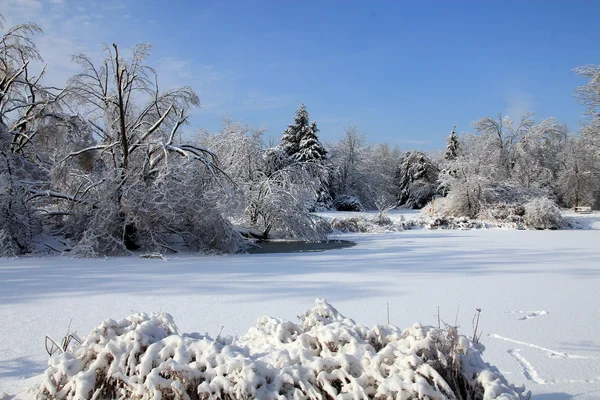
(98, 167)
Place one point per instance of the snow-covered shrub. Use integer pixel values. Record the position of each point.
(380, 223)
(505, 212)
(542, 213)
(382, 219)
(463, 200)
(350, 225)
(441, 222)
(347, 203)
(327, 356)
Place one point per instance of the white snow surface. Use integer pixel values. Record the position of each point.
(538, 291)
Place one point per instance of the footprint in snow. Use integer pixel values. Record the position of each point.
(528, 370)
(529, 314)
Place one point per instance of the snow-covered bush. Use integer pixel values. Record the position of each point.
(327, 356)
(542, 213)
(347, 203)
(350, 225)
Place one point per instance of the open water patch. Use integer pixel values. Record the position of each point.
(297, 246)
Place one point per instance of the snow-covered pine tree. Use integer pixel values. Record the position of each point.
(301, 143)
(415, 180)
(292, 136)
(453, 146)
(310, 148)
(449, 163)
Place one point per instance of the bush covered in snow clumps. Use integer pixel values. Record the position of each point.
(327, 356)
(542, 213)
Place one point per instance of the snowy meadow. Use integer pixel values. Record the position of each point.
(538, 291)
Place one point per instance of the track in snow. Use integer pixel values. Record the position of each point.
(551, 353)
(529, 314)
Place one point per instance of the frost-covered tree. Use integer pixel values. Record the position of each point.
(301, 143)
(538, 155)
(452, 146)
(279, 203)
(578, 182)
(18, 222)
(589, 94)
(274, 192)
(311, 149)
(382, 163)
(452, 152)
(349, 181)
(498, 138)
(362, 173)
(24, 104)
(501, 168)
(294, 133)
(139, 163)
(416, 180)
(17, 88)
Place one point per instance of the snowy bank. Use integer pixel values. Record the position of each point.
(327, 356)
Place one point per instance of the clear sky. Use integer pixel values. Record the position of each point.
(404, 72)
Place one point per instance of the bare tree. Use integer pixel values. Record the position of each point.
(589, 94)
(500, 136)
(23, 105)
(136, 152)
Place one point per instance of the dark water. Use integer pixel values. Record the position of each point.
(299, 246)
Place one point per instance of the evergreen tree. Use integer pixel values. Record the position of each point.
(450, 158)
(300, 142)
(310, 148)
(452, 147)
(290, 140)
(416, 180)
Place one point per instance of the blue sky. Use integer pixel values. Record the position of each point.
(403, 72)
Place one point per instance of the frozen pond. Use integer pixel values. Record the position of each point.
(538, 291)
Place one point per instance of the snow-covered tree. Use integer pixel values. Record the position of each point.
(452, 146)
(502, 168)
(361, 173)
(140, 163)
(538, 155)
(292, 136)
(578, 182)
(311, 149)
(274, 193)
(349, 181)
(589, 94)
(452, 152)
(416, 180)
(279, 203)
(499, 137)
(301, 143)
(24, 104)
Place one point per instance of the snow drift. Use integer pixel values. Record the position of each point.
(326, 356)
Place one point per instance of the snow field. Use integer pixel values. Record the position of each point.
(509, 274)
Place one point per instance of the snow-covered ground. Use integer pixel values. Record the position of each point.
(538, 291)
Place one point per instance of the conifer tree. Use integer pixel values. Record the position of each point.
(311, 148)
(290, 140)
(452, 147)
(301, 144)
